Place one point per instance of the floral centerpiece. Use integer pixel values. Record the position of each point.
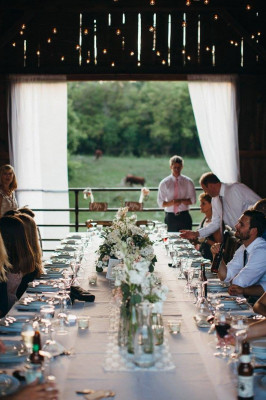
(135, 279)
(124, 231)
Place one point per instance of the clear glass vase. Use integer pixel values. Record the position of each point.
(143, 341)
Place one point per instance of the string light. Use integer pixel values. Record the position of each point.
(38, 52)
(49, 40)
(104, 51)
(158, 53)
(118, 32)
(23, 26)
(184, 24)
(112, 64)
(215, 17)
(21, 33)
(77, 46)
(86, 31)
(132, 53)
(63, 58)
(207, 48)
(54, 31)
(248, 7)
(163, 62)
(151, 29)
(206, 2)
(152, 2)
(14, 44)
(138, 64)
(189, 58)
(252, 36)
(188, 3)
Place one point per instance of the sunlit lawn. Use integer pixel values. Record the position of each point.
(108, 172)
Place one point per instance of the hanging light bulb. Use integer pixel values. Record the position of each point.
(248, 7)
(86, 31)
(152, 2)
(132, 53)
(118, 32)
(104, 51)
(63, 58)
(54, 31)
(49, 40)
(188, 3)
(215, 17)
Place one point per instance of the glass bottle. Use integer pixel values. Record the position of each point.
(143, 342)
(245, 375)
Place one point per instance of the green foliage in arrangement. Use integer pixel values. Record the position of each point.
(131, 118)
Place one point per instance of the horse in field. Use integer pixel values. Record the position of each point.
(98, 154)
(132, 179)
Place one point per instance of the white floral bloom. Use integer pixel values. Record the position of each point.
(157, 307)
(135, 277)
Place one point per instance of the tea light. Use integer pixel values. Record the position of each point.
(93, 279)
(174, 326)
(83, 322)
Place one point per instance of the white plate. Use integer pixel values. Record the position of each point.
(13, 384)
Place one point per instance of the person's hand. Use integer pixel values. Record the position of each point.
(2, 347)
(36, 391)
(190, 235)
(235, 290)
(215, 248)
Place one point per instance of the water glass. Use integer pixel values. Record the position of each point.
(27, 333)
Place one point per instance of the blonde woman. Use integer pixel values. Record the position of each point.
(33, 238)
(8, 185)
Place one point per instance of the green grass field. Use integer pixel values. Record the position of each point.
(108, 172)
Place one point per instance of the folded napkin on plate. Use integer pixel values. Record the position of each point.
(76, 292)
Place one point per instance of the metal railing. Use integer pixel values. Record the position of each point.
(77, 210)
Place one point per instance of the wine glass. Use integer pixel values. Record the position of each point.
(27, 333)
(222, 326)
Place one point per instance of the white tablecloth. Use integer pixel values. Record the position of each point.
(198, 374)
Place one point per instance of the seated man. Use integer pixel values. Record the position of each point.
(247, 270)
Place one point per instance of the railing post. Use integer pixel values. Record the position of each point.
(77, 210)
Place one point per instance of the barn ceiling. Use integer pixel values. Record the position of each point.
(132, 36)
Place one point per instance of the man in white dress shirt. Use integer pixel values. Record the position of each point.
(175, 194)
(229, 201)
(247, 270)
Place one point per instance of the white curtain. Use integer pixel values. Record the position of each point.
(38, 147)
(214, 102)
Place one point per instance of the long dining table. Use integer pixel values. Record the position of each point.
(194, 372)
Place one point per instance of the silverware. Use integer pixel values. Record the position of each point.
(91, 394)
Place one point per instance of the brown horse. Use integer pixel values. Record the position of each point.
(132, 179)
(98, 154)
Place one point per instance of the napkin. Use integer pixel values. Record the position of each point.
(76, 292)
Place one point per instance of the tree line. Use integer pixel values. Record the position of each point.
(131, 118)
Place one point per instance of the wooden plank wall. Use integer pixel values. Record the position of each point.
(252, 132)
(4, 152)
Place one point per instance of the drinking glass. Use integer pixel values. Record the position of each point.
(27, 333)
(222, 326)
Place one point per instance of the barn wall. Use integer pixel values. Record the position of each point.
(252, 132)
(4, 151)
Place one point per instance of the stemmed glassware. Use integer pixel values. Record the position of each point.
(222, 326)
(27, 333)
